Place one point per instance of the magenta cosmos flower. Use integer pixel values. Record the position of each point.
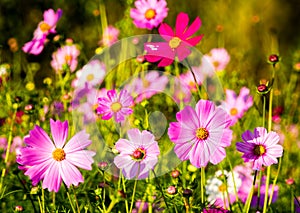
(236, 106)
(115, 105)
(149, 13)
(110, 36)
(260, 147)
(177, 43)
(201, 134)
(55, 161)
(137, 155)
(45, 27)
(65, 58)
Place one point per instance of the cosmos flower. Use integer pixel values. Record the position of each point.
(45, 27)
(138, 154)
(260, 148)
(217, 58)
(177, 43)
(218, 186)
(147, 86)
(201, 134)
(54, 161)
(236, 106)
(149, 13)
(92, 73)
(65, 58)
(110, 36)
(115, 105)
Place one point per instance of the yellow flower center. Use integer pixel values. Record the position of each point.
(233, 111)
(174, 42)
(216, 64)
(58, 154)
(222, 188)
(44, 27)
(259, 150)
(150, 14)
(202, 133)
(68, 58)
(90, 77)
(115, 107)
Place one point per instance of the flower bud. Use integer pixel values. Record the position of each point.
(171, 190)
(273, 59)
(187, 193)
(175, 173)
(19, 208)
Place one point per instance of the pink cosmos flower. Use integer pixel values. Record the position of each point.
(110, 36)
(181, 92)
(177, 43)
(55, 161)
(65, 58)
(235, 105)
(149, 13)
(45, 27)
(147, 86)
(201, 134)
(116, 105)
(92, 73)
(137, 155)
(260, 147)
(188, 79)
(217, 57)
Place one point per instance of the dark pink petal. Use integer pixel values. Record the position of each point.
(38, 138)
(159, 50)
(37, 172)
(112, 95)
(182, 52)
(193, 28)
(52, 178)
(165, 62)
(59, 131)
(179, 134)
(31, 156)
(107, 115)
(195, 40)
(34, 47)
(82, 159)
(152, 58)
(182, 22)
(70, 174)
(166, 31)
(78, 142)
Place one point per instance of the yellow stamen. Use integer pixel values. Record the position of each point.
(259, 150)
(44, 27)
(233, 111)
(115, 107)
(174, 42)
(150, 14)
(90, 77)
(58, 154)
(202, 133)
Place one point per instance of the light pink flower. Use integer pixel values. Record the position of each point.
(217, 57)
(149, 13)
(115, 105)
(55, 161)
(110, 36)
(236, 106)
(188, 79)
(201, 134)
(260, 148)
(177, 43)
(92, 73)
(45, 27)
(138, 155)
(145, 87)
(65, 58)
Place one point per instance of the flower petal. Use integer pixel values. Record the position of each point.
(166, 31)
(59, 132)
(193, 28)
(182, 22)
(78, 142)
(82, 159)
(52, 179)
(70, 174)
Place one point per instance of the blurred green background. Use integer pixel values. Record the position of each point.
(249, 30)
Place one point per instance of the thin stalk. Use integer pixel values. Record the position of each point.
(161, 190)
(202, 170)
(75, 197)
(111, 205)
(249, 198)
(194, 77)
(124, 189)
(269, 167)
(134, 189)
(274, 181)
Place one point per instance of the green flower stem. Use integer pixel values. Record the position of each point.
(249, 198)
(9, 141)
(202, 170)
(194, 77)
(234, 183)
(111, 205)
(75, 197)
(71, 202)
(269, 167)
(274, 181)
(124, 189)
(134, 189)
(258, 189)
